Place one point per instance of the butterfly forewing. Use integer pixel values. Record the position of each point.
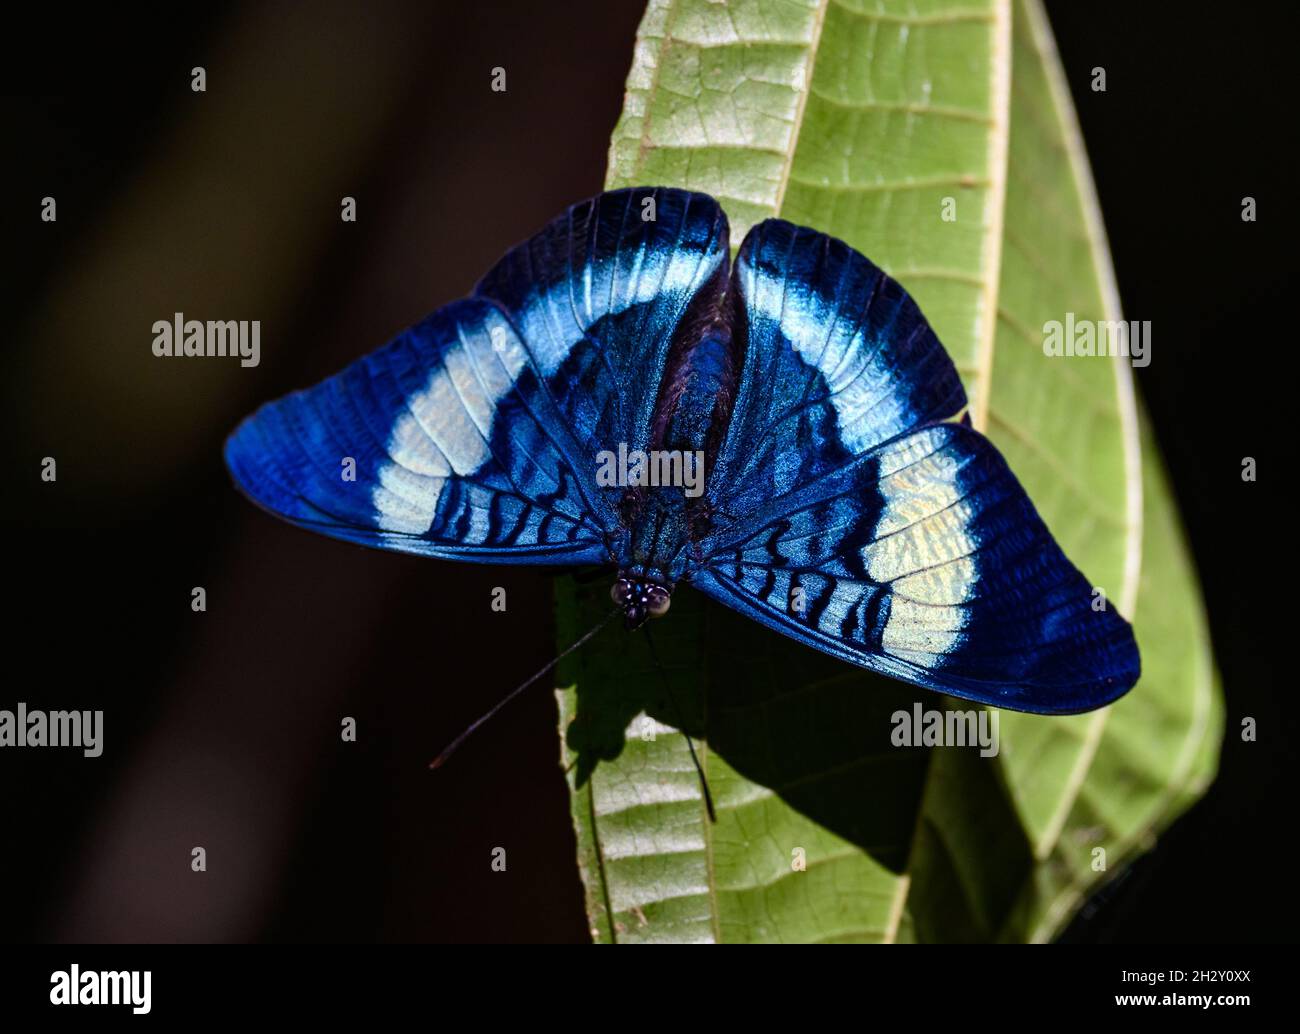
(473, 435)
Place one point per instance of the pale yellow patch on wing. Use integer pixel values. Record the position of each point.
(922, 551)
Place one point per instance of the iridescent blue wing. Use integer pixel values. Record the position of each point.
(473, 435)
(838, 359)
(873, 526)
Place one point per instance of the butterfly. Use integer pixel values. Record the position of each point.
(839, 494)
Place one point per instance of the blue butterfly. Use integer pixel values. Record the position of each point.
(839, 496)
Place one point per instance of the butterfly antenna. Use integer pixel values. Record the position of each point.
(451, 747)
(681, 724)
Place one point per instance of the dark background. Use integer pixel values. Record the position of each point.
(223, 726)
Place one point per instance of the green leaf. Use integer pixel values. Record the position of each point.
(868, 120)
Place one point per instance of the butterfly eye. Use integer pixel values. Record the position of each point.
(620, 590)
(657, 601)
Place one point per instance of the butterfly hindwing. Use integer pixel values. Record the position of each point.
(925, 560)
(472, 434)
(891, 536)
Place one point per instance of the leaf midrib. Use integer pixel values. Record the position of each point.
(1072, 136)
(819, 19)
(991, 263)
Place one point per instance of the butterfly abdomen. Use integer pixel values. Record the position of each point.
(697, 396)
(693, 412)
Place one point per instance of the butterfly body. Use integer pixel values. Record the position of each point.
(828, 484)
(666, 522)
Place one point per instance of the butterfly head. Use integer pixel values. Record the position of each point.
(640, 599)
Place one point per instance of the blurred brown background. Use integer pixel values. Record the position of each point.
(223, 727)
